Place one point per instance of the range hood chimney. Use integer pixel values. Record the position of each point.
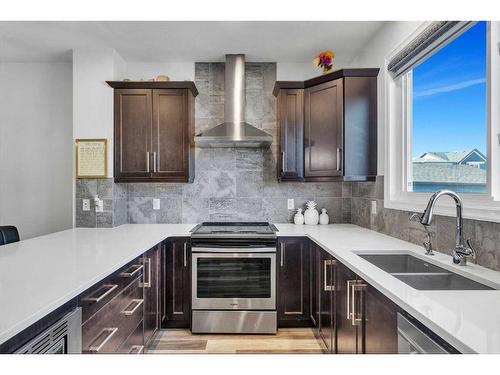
(234, 131)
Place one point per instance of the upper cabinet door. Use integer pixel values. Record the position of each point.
(291, 134)
(323, 130)
(132, 133)
(171, 144)
(360, 129)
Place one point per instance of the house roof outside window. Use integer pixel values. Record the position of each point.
(461, 167)
(457, 157)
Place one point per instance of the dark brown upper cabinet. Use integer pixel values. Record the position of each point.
(154, 131)
(323, 130)
(332, 134)
(291, 135)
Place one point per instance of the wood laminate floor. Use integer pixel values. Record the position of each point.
(288, 340)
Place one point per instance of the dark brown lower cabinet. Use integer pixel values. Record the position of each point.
(134, 344)
(314, 288)
(349, 312)
(108, 324)
(293, 283)
(327, 300)
(176, 284)
(349, 315)
(151, 262)
(380, 319)
(367, 320)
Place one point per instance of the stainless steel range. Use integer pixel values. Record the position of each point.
(234, 278)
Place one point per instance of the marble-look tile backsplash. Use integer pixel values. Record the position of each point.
(114, 198)
(229, 184)
(485, 236)
(241, 184)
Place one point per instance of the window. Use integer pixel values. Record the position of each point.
(447, 119)
(442, 119)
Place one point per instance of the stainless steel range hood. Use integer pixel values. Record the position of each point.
(234, 131)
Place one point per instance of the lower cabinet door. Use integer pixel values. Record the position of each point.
(349, 323)
(151, 262)
(314, 287)
(293, 283)
(380, 318)
(134, 344)
(326, 305)
(108, 329)
(176, 284)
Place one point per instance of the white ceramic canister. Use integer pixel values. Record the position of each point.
(298, 219)
(311, 215)
(324, 218)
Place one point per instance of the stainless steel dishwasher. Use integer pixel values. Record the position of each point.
(415, 339)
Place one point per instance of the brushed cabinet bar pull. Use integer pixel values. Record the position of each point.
(353, 305)
(325, 284)
(349, 299)
(282, 161)
(136, 349)
(185, 254)
(357, 285)
(107, 291)
(154, 162)
(338, 158)
(132, 270)
(147, 263)
(110, 332)
(282, 259)
(136, 304)
(148, 284)
(328, 262)
(147, 162)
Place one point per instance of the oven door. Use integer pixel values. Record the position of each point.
(234, 280)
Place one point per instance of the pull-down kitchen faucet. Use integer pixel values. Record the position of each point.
(461, 252)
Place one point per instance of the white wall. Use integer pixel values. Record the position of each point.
(36, 147)
(182, 71)
(373, 55)
(92, 97)
(286, 71)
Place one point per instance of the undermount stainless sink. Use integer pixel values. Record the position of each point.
(401, 263)
(420, 274)
(445, 281)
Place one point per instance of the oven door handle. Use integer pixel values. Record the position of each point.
(233, 250)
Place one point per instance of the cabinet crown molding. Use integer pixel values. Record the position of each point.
(364, 72)
(154, 85)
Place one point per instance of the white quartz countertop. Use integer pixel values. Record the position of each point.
(41, 274)
(468, 320)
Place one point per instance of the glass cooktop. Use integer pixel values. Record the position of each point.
(235, 228)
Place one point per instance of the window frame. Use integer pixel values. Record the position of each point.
(398, 117)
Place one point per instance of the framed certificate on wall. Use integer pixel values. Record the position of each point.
(91, 158)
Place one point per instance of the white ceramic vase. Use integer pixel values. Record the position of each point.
(298, 219)
(311, 215)
(324, 218)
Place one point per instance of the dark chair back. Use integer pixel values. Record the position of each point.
(8, 234)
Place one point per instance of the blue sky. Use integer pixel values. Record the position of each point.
(449, 96)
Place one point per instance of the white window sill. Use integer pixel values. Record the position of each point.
(484, 208)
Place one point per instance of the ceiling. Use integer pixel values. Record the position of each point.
(181, 41)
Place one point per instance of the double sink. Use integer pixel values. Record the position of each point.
(420, 274)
